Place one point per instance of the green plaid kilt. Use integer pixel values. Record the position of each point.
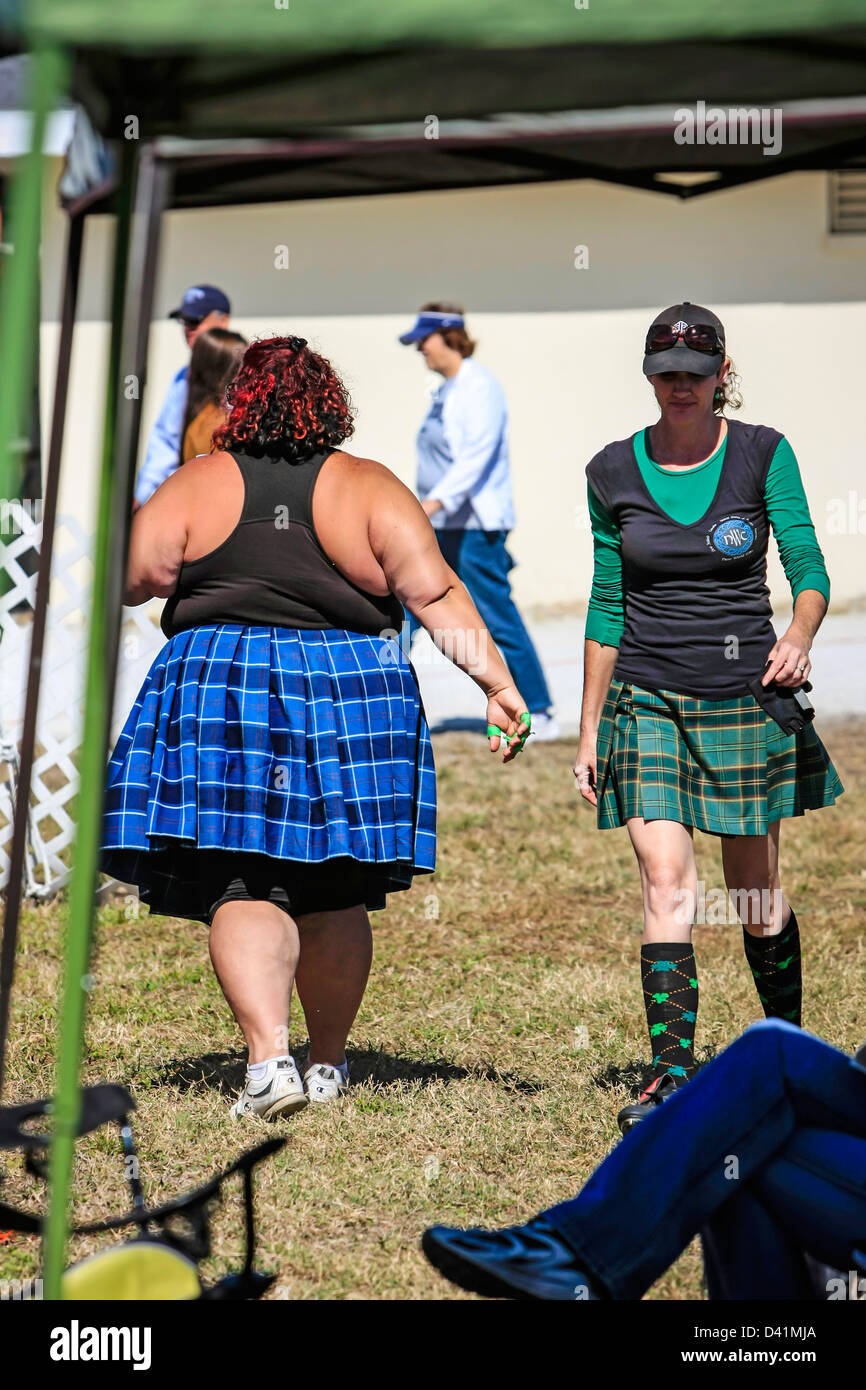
(722, 766)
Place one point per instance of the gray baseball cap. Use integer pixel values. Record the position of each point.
(672, 351)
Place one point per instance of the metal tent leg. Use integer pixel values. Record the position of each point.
(21, 819)
(134, 273)
(18, 307)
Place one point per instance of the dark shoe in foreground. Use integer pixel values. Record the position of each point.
(526, 1262)
(657, 1091)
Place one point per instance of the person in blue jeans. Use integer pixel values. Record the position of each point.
(763, 1153)
(464, 485)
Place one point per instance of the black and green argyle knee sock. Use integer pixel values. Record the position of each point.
(775, 964)
(670, 989)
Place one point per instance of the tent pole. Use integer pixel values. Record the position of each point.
(80, 912)
(154, 184)
(132, 302)
(19, 301)
(71, 277)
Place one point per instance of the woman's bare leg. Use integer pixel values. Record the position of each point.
(336, 951)
(771, 931)
(751, 868)
(254, 948)
(669, 878)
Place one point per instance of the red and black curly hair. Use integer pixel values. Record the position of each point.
(285, 401)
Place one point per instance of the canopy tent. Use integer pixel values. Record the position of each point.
(630, 146)
(344, 94)
(220, 68)
(332, 100)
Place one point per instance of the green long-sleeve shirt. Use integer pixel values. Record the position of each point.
(686, 495)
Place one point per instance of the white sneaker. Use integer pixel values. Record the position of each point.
(280, 1092)
(544, 729)
(326, 1083)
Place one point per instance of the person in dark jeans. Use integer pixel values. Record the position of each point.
(464, 484)
(763, 1153)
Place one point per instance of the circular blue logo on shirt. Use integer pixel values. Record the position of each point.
(733, 537)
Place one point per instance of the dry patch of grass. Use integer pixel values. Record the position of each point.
(502, 1030)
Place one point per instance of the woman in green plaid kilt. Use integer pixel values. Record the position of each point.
(694, 715)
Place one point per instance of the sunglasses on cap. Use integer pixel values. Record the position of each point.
(186, 322)
(700, 337)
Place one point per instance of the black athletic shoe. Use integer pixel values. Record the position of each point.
(523, 1262)
(657, 1091)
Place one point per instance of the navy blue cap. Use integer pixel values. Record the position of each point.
(430, 322)
(199, 301)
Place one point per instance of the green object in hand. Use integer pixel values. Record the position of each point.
(493, 731)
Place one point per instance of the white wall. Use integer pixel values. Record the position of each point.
(566, 343)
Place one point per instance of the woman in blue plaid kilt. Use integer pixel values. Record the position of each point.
(693, 713)
(275, 778)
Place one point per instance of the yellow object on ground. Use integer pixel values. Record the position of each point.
(140, 1269)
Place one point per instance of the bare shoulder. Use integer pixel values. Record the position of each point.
(362, 469)
(206, 468)
(197, 505)
(359, 505)
(364, 474)
(205, 476)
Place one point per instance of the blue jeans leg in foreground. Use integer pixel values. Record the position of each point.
(672, 1172)
(748, 1254)
(812, 1196)
(816, 1189)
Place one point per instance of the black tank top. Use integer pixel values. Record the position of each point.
(271, 570)
(698, 618)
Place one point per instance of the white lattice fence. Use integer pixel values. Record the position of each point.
(61, 705)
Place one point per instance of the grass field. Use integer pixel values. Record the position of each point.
(502, 1030)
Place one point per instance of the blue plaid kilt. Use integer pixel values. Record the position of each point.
(302, 745)
(722, 766)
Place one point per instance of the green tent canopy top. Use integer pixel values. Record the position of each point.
(316, 100)
(240, 68)
(308, 26)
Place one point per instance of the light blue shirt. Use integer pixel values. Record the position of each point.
(463, 453)
(163, 447)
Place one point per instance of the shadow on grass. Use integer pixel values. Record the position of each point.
(225, 1072)
(636, 1075)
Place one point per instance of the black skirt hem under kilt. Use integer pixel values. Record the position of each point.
(178, 879)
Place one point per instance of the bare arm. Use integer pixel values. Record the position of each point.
(404, 543)
(789, 657)
(598, 664)
(810, 608)
(157, 543)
